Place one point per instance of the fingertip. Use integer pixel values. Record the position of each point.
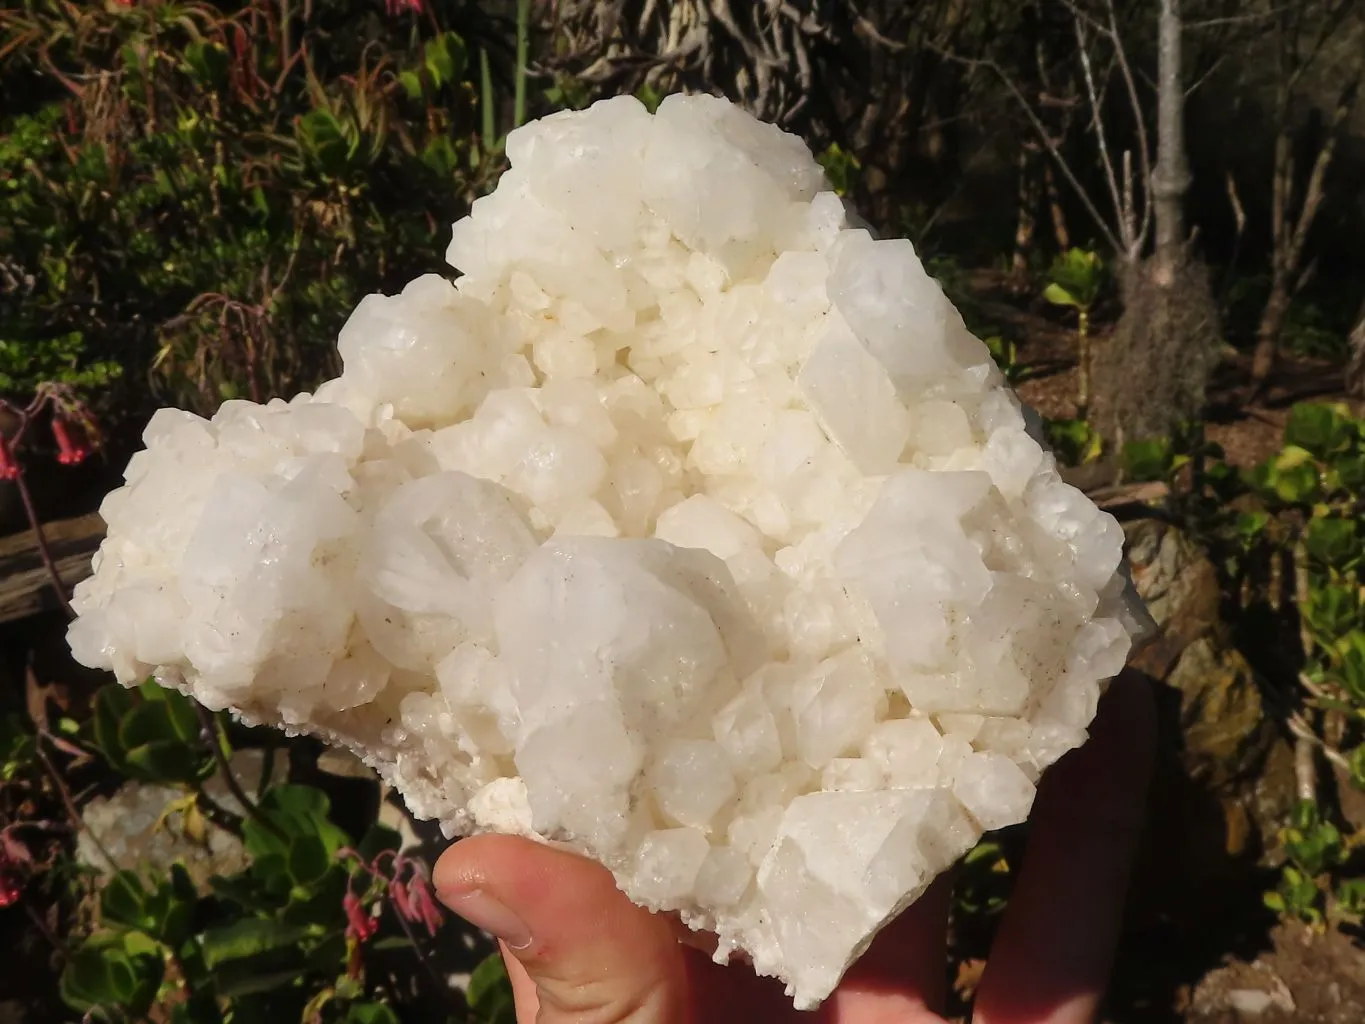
(1054, 952)
(583, 944)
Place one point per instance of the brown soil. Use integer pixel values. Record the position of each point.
(1046, 343)
(1212, 956)
(1305, 978)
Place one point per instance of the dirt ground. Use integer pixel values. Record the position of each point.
(1268, 973)
(1208, 954)
(1046, 341)
(1307, 977)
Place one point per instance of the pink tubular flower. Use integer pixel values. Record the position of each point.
(71, 447)
(9, 465)
(413, 900)
(423, 905)
(360, 923)
(15, 864)
(396, 7)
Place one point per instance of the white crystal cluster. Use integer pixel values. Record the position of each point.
(689, 526)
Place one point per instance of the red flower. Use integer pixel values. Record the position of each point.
(396, 7)
(9, 466)
(360, 923)
(72, 449)
(423, 904)
(15, 862)
(11, 888)
(398, 892)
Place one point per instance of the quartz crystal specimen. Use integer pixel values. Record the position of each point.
(690, 526)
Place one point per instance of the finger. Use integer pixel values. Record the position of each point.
(901, 979)
(577, 948)
(1051, 960)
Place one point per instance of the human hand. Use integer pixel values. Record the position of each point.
(577, 950)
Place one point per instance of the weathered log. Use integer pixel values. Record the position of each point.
(25, 585)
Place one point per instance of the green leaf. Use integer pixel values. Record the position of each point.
(412, 84)
(1151, 459)
(244, 890)
(207, 63)
(1332, 612)
(322, 136)
(1350, 896)
(18, 747)
(650, 96)
(200, 1008)
(178, 709)
(490, 993)
(248, 937)
(392, 942)
(146, 722)
(249, 976)
(111, 704)
(1357, 763)
(1350, 672)
(440, 157)
(1059, 296)
(1075, 442)
(445, 58)
(1292, 476)
(308, 859)
(123, 901)
(113, 972)
(88, 980)
(1077, 277)
(164, 762)
(1348, 472)
(1322, 430)
(370, 1013)
(1251, 525)
(1334, 543)
(841, 168)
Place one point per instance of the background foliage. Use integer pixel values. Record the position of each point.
(193, 195)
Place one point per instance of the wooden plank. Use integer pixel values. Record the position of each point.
(25, 586)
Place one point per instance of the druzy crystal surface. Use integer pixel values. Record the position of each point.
(689, 526)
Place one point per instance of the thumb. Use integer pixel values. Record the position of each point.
(576, 948)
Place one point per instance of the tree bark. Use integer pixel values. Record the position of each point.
(1171, 176)
(1289, 234)
(1027, 224)
(1355, 367)
(1060, 230)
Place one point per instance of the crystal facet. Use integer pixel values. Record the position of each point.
(689, 526)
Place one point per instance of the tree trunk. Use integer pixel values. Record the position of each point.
(1355, 367)
(1171, 177)
(1055, 208)
(1027, 199)
(1268, 331)
(1152, 374)
(1289, 234)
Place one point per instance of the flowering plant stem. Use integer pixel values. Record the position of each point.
(46, 397)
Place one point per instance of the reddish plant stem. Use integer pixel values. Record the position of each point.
(25, 417)
(209, 729)
(44, 552)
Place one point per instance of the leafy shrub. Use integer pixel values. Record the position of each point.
(1288, 535)
(1073, 441)
(313, 928)
(200, 193)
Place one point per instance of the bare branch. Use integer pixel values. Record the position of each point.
(1236, 19)
(1097, 126)
(1144, 146)
(976, 63)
